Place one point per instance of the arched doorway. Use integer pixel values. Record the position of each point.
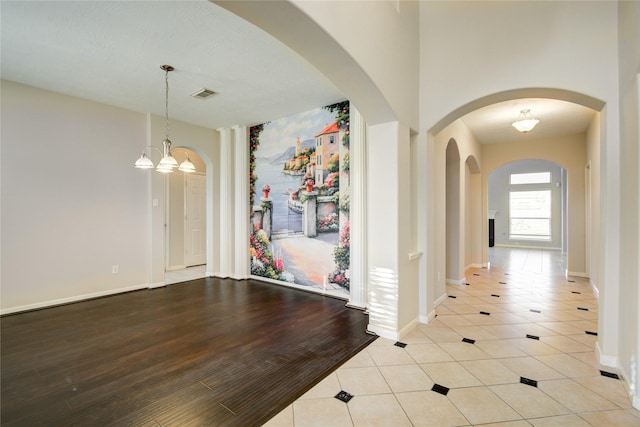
(186, 221)
(454, 269)
(528, 205)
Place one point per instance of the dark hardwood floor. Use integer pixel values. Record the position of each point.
(207, 352)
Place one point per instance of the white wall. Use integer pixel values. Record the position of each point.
(498, 188)
(73, 205)
(385, 44)
(568, 152)
(469, 153)
(472, 49)
(470, 57)
(629, 301)
(593, 174)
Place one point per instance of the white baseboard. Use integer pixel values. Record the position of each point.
(462, 281)
(613, 362)
(603, 359)
(175, 267)
(239, 276)
(474, 265)
(440, 300)
(432, 315)
(383, 332)
(210, 274)
(61, 301)
(157, 285)
(506, 245)
(595, 289)
(404, 331)
(577, 274)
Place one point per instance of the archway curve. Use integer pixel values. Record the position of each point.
(550, 93)
(474, 166)
(295, 29)
(453, 240)
(186, 217)
(550, 159)
(211, 217)
(499, 191)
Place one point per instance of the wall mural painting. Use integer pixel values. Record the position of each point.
(299, 178)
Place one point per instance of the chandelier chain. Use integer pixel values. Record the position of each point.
(166, 102)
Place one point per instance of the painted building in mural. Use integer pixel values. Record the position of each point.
(326, 147)
(300, 215)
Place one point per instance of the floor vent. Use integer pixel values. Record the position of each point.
(610, 375)
(440, 389)
(344, 396)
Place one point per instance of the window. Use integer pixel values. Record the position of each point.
(530, 215)
(530, 178)
(332, 139)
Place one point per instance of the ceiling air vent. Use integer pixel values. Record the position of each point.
(203, 93)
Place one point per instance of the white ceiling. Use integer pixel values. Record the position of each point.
(492, 124)
(111, 51)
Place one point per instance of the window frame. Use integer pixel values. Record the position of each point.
(531, 187)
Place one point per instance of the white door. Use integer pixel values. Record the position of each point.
(195, 241)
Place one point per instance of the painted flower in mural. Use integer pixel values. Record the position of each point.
(342, 258)
(265, 261)
(328, 223)
(266, 188)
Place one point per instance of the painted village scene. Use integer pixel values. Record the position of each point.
(299, 178)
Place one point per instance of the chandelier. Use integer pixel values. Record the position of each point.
(168, 162)
(525, 121)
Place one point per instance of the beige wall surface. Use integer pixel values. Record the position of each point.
(385, 44)
(498, 189)
(73, 206)
(569, 152)
(79, 210)
(629, 86)
(473, 49)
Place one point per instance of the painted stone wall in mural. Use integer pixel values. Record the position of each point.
(300, 197)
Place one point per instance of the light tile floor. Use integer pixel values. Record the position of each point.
(184, 275)
(539, 330)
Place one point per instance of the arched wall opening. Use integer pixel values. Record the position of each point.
(545, 230)
(454, 273)
(472, 218)
(588, 147)
(186, 214)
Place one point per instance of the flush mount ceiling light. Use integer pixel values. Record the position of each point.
(525, 121)
(168, 162)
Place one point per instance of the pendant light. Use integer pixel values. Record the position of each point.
(525, 121)
(168, 162)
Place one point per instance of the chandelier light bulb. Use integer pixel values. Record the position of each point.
(525, 121)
